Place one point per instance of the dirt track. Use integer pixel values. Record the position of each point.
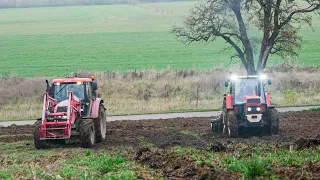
(299, 128)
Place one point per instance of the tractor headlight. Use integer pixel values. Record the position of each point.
(249, 109)
(263, 76)
(258, 108)
(234, 77)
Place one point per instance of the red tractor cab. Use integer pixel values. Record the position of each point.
(71, 113)
(246, 106)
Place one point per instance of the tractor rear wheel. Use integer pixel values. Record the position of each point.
(216, 125)
(232, 124)
(87, 133)
(224, 123)
(274, 121)
(101, 125)
(39, 144)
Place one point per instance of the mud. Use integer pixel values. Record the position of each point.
(300, 129)
(176, 167)
(16, 130)
(15, 133)
(310, 171)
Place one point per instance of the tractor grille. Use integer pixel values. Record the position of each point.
(256, 100)
(254, 110)
(62, 109)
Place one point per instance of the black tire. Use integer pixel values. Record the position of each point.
(265, 130)
(100, 125)
(87, 133)
(216, 125)
(224, 123)
(274, 121)
(232, 124)
(39, 144)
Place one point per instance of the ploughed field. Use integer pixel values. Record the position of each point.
(187, 148)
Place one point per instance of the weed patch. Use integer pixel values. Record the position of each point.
(98, 166)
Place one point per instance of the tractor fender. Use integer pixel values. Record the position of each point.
(229, 102)
(95, 107)
(268, 99)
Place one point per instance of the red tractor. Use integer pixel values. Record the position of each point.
(246, 108)
(72, 113)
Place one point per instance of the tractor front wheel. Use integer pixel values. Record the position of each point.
(87, 133)
(232, 124)
(274, 121)
(39, 144)
(101, 125)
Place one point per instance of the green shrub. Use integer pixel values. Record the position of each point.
(5, 175)
(255, 168)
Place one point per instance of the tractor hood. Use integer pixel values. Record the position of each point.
(62, 106)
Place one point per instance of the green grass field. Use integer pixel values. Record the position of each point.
(57, 41)
(20, 160)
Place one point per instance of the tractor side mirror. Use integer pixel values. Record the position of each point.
(269, 81)
(226, 84)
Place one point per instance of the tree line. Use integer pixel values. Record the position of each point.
(53, 3)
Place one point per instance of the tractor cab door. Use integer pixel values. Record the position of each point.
(87, 102)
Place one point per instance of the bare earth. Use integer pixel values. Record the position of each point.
(301, 129)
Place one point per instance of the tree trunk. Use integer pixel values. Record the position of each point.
(267, 27)
(263, 59)
(251, 69)
(244, 38)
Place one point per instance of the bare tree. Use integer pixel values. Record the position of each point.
(278, 20)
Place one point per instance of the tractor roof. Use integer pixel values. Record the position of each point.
(235, 77)
(72, 80)
(251, 97)
(244, 77)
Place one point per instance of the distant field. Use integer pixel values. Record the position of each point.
(57, 41)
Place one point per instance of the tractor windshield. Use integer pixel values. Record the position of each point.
(61, 91)
(244, 87)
